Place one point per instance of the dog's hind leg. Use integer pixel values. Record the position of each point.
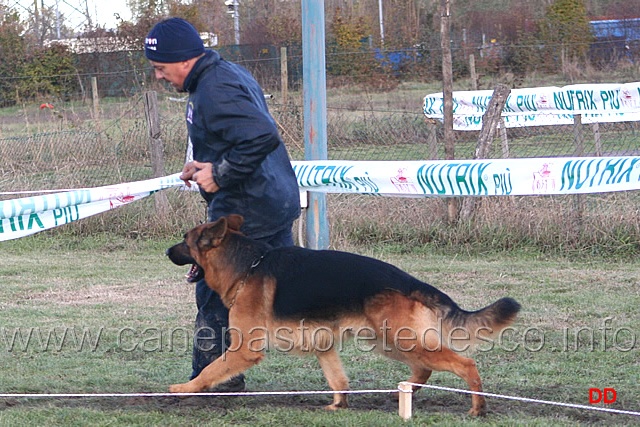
(337, 379)
(419, 375)
(446, 359)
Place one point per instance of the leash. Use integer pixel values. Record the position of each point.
(254, 264)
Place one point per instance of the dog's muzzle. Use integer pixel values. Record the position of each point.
(194, 274)
(179, 255)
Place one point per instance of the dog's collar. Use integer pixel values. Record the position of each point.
(253, 266)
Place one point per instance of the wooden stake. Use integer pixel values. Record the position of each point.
(96, 99)
(404, 400)
(284, 76)
(490, 122)
(151, 112)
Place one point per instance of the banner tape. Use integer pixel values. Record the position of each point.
(428, 178)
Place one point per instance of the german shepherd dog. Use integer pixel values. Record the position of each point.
(307, 301)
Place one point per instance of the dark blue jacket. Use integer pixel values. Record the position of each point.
(229, 125)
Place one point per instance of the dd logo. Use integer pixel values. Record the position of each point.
(606, 395)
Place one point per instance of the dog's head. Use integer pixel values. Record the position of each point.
(202, 238)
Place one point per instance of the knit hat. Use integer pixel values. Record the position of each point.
(173, 40)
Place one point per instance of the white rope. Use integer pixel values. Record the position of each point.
(526, 399)
(243, 393)
(312, 392)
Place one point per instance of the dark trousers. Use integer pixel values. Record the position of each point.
(213, 317)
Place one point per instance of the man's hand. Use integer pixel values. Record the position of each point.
(201, 173)
(187, 173)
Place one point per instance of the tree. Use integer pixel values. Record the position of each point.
(274, 22)
(43, 24)
(351, 56)
(12, 51)
(51, 73)
(190, 12)
(566, 29)
(142, 9)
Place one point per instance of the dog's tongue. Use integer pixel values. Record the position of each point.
(195, 273)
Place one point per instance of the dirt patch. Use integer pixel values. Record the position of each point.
(158, 294)
(219, 406)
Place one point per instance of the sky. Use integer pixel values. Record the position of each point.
(101, 11)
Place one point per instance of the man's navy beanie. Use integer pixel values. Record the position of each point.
(173, 40)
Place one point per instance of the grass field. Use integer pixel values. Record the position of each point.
(579, 329)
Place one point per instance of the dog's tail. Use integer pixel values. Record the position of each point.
(466, 329)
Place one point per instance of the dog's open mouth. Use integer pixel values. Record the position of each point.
(194, 274)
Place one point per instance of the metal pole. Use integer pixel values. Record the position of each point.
(315, 113)
(37, 19)
(236, 22)
(57, 21)
(381, 19)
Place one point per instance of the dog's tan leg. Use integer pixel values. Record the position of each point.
(400, 318)
(220, 370)
(334, 373)
(419, 375)
(448, 360)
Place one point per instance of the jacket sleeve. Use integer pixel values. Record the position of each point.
(247, 129)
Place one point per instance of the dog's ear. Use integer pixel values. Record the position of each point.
(235, 221)
(212, 234)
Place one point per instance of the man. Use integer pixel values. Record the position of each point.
(240, 162)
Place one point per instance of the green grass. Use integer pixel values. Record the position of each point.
(135, 311)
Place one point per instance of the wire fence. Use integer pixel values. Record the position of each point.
(88, 143)
(56, 151)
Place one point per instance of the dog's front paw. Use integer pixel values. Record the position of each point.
(182, 388)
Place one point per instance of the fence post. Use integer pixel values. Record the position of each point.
(578, 135)
(490, 121)
(472, 70)
(578, 199)
(504, 139)
(404, 400)
(432, 140)
(96, 99)
(155, 147)
(284, 75)
(596, 137)
(447, 98)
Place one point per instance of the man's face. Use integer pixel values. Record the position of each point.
(174, 72)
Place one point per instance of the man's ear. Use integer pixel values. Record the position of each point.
(235, 221)
(212, 234)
